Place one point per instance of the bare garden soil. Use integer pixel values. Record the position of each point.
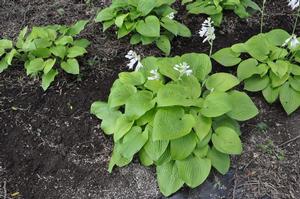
(52, 148)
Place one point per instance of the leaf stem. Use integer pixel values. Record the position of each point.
(262, 16)
(296, 21)
(211, 48)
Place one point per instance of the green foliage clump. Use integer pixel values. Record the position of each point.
(147, 21)
(272, 67)
(215, 8)
(181, 120)
(44, 48)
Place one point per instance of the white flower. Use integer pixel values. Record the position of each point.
(208, 31)
(171, 15)
(292, 41)
(294, 4)
(155, 75)
(183, 68)
(135, 59)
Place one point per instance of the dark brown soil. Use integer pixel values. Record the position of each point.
(52, 148)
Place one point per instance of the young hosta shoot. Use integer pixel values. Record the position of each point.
(174, 116)
(215, 8)
(146, 21)
(44, 49)
(273, 66)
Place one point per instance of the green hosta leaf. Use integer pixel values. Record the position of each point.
(48, 78)
(295, 83)
(133, 141)
(9, 56)
(201, 152)
(150, 27)
(258, 47)
(199, 63)
(166, 67)
(138, 104)
(118, 159)
(5, 44)
(170, 25)
(71, 66)
(239, 48)
(280, 68)
(123, 125)
(277, 81)
(21, 36)
(77, 27)
(120, 93)
(256, 83)
(204, 142)
(108, 24)
(227, 57)
(155, 149)
(245, 110)
(120, 20)
(168, 178)
(145, 158)
(182, 147)
(216, 104)
(271, 94)
(146, 118)
(182, 93)
(221, 82)
(3, 65)
(277, 37)
(34, 66)
(183, 30)
(172, 123)
(202, 125)
(193, 170)
(135, 39)
(105, 14)
(164, 158)
(84, 43)
(41, 53)
(59, 51)
(163, 43)
(295, 69)
(146, 6)
(48, 65)
(278, 53)
(154, 85)
(134, 78)
(108, 116)
(226, 140)
(219, 161)
(289, 98)
(247, 68)
(64, 40)
(76, 51)
(225, 121)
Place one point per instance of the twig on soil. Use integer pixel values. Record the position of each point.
(4, 190)
(234, 188)
(289, 141)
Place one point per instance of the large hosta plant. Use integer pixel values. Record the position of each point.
(271, 66)
(176, 117)
(215, 8)
(145, 21)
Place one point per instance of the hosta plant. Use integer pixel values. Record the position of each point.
(215, 8)
(45, 50)
(145, 21)
(176, 117)
(268, 62)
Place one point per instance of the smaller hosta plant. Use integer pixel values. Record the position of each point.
(45, 50)
(272, 66)
(173, 115)
(215, 8)
(146, 21)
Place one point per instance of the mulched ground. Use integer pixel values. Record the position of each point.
(52, 148)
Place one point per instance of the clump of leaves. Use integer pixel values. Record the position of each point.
(215, 8)
(272, 66)
(44, 49)
(176, 117)
(147, 21)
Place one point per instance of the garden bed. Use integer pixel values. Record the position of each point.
(51, 147)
